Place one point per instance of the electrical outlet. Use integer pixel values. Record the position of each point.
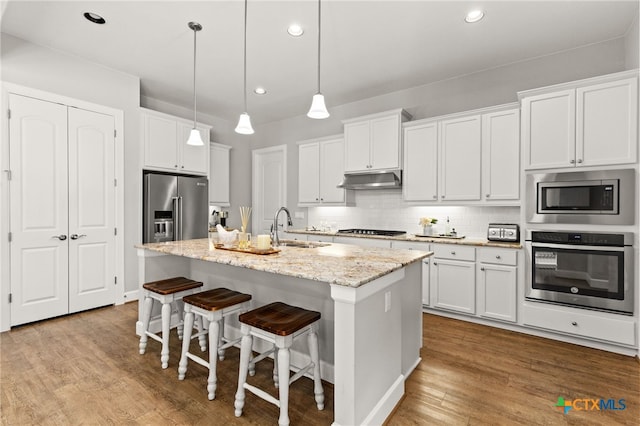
(299, 215)
(387, 301)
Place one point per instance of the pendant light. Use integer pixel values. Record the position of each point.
(244, 123)
(194, 136)
(318, 109)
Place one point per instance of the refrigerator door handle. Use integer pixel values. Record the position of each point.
(180, 217)
(176, 219)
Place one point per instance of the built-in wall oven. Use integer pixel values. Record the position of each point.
(604, 197)
(584, 269)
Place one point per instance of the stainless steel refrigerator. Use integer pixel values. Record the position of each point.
(174, 208)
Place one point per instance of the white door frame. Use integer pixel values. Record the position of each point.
(5, 166)
(256, 188)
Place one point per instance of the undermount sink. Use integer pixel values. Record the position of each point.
(302, 244)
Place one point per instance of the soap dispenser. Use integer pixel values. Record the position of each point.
(447, 227)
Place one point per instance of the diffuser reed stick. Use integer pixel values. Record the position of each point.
(245, 214)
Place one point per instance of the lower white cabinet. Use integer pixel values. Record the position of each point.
(452, 283)
(497, 291)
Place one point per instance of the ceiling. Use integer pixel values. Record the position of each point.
(369, 48)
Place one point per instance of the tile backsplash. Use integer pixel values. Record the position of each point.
(384, 209)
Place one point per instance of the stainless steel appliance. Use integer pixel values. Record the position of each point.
(362, 231)
(507, 232)
(174, 207)
(584, 269)
(596, 197)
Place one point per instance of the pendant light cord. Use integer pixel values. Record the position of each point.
(245, 56)
(195, 31)
(319, 13)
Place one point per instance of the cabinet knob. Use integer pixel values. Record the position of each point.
(482, 269)
(316, 199)
(321, 199)
(579, 160)
(175, 165)
(435, 197)
(453, 253)
(498, 256)
(573, 323)
(183, 167)
(572, 161)
(488, 195)
(442, 196)
(435, 263)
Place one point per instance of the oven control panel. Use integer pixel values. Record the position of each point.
(579, 238)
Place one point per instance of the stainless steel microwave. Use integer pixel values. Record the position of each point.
(597, 197)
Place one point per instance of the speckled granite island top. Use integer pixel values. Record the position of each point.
(341, 264)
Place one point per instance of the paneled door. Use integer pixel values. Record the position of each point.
(269, 189)
(91, 210)
(62, 209)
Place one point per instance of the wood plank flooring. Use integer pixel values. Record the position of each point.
(85, 369)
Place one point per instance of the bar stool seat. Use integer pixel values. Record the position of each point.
(279, 324)
(167, 292)
(212, 306)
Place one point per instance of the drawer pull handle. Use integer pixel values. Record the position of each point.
(498, 257)
(435, 263)
(453, 253)
(573, 323)
(482, 269)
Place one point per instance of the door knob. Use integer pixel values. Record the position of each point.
(61, 237)
(76, 236)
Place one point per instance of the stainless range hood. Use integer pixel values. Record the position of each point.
(379, 179)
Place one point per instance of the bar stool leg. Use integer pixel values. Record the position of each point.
(202, 338)
(166, 320)
(180, 327)
(188, 324)
(245, 354)
(275, 366)
(283, 379)
(146, 318)
(220, 340)
(317, 382)
(214, 333)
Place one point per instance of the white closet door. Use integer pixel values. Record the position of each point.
(91, 210)
(38, 194)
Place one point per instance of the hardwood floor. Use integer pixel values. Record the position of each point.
(85, 369)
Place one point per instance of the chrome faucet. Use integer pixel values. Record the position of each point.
(276, 240)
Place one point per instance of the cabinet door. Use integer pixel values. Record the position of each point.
(452, 285)
(160, 136)
(460, 150)
(606, 123)
(219, 175)
(356, 140)
(548, 129)
(309, 173)
(420, 173)
(501, 155)
(331, 171)
(497, 291)
(385, 143)
(192, 159)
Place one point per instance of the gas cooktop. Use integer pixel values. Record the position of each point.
(360, 231)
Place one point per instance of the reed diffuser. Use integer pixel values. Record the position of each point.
(244, 238)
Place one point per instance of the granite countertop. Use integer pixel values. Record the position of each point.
(341, 264)
(481, 242)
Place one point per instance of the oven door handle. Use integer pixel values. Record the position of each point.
(577, 247)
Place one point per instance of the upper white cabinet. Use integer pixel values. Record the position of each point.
(320, 170)
(219, 174)
(165, 144)
(373, 142)
(586, 123)
(468, 157)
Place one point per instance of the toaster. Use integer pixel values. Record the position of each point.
(507, 232)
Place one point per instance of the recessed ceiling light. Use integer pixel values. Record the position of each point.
(474, 16)
(94, 17)
(295, 30)
(259, 90)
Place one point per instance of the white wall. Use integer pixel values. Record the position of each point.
(632, 46)
(41, 68)
(482, 89)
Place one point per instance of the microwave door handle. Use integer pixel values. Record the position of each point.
(577, 247)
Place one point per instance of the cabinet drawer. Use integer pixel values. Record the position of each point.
(456, 252)
(590, 324)
(499, 256)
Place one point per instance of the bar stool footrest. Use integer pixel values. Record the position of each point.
(262, 394)
(301, 372)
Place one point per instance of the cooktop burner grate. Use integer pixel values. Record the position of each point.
(360, 231)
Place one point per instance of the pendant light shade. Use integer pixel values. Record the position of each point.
(194, 137)
(318, 109)
(244, 123)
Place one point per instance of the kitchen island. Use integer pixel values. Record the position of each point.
(370, 333)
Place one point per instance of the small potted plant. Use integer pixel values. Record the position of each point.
(427, 225)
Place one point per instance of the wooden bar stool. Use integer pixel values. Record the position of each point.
(212, 306)
(168, 291)
(279, 324)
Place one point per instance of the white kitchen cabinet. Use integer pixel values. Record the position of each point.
(460, 151)
(501, 155)
(219, 174)
(165, 144)
(497, 283)
(320, 170)
(452, 278)
(420, 170)
(373, 142)
(586, 123)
